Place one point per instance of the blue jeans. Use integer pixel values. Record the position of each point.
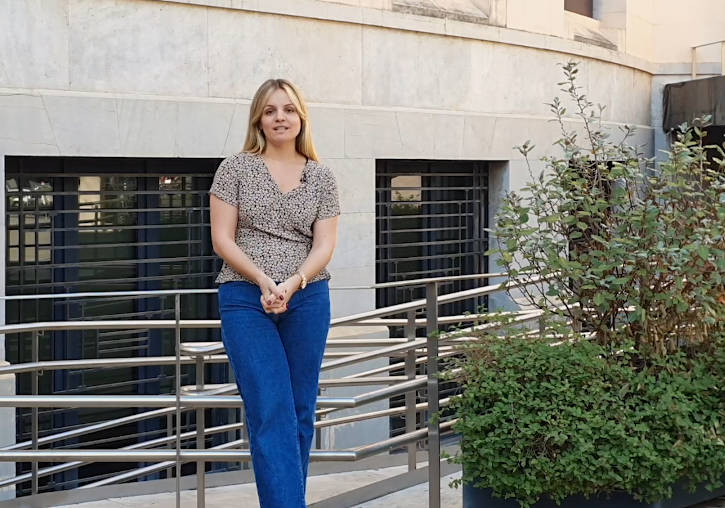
(276, 360)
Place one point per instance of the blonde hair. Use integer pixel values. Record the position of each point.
(256, 142)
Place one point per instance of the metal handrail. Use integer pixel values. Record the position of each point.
(203, 399)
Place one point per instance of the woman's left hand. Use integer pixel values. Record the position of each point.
(288, 288)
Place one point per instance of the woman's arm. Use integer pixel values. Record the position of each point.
(223, 217)
(324, 241)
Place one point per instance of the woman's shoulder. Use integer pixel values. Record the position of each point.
(236, 165)
(320, 171)
(239, 159)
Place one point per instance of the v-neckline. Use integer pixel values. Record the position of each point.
(276, 184)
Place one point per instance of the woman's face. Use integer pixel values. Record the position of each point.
(280, 121)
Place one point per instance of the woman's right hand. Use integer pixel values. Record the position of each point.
(272, 298)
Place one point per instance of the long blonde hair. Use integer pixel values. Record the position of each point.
(256, 142)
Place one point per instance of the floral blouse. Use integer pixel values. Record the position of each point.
(274, 228)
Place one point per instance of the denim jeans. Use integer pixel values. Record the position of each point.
(276, 360)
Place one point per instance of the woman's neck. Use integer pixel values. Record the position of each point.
(281, 153)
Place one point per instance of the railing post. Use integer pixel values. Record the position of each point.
(410, 398)
(177, 334)
(722, 58)
(693, 68)
(200, 464)
(245, 431)
(34, 423)
(169, 432)
(434, 452)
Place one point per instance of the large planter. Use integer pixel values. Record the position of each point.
(474, 497)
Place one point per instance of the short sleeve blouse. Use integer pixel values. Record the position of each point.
(274, 228)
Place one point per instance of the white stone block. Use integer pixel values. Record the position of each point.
(84, 126)
(154, 47)
(430, 136)
(147, 128)
(246, 48)
(202, 128)
(24, 125)
(511, 132)
(542, 16)
(478, 136)
(372, 133)
(356, 241)
(237, 129)
(415, 70)
(355, 183)
(328, 131)
(34, 43)
(346, 302)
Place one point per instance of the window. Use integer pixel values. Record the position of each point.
(583, 7)
(78, 224)
(430, 220)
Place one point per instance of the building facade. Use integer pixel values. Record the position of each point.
(115, 113)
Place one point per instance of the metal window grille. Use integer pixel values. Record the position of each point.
(430, 222)
(103, 224)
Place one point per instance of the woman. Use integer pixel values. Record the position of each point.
(274, 212)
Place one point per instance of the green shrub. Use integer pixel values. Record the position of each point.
(626, 258)
(542, 421)
(633, 250)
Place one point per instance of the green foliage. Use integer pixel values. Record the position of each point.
(627, 260)
(632, 250)
(542, 421)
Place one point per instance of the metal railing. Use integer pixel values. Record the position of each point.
(693, 53)
(414, 351)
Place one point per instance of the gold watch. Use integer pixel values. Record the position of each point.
(303, 284)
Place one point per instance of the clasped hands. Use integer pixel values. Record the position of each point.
(275, 297)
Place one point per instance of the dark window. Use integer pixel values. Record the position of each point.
(583, 7)
(430, 220)
(104, 224)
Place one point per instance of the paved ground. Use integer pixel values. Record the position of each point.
(320, 487)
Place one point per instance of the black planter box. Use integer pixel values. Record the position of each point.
(473, 497)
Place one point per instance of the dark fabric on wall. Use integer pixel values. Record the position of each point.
(687, 100)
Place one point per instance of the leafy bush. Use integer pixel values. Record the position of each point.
(627, 260)
(542, 421)
(632, 250)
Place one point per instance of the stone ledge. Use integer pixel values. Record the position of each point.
(449, 25)
(430, 8)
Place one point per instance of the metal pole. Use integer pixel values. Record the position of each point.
(693, 69)
(177, 315)
(245, 431)
(410, 412)
(722, 58)
(434, 451)
(200, 465)
(318, 418)
(171, 443)
(34, 423)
